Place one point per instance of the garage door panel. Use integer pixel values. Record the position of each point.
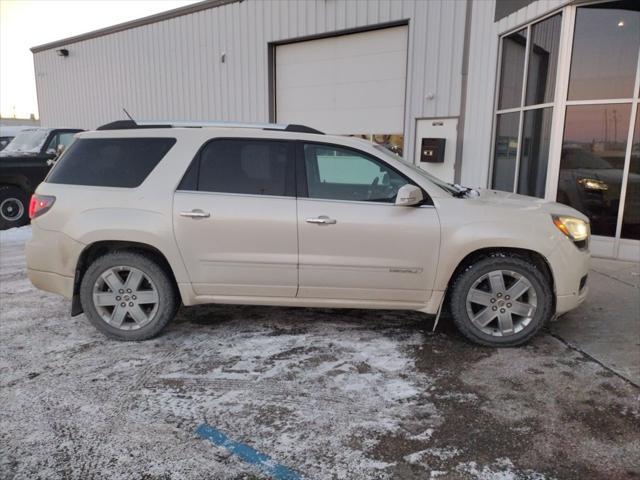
(363, 121)
(359, 78)
(379, 67)
(382, 41)
(341, 97)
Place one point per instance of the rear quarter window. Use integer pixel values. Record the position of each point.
(110, 162)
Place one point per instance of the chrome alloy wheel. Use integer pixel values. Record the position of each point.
(501, 303)
(125, 298)
(11, 209)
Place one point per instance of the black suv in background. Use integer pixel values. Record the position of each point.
(24, 163)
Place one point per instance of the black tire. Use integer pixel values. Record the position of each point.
(14, 207)
(167, 303)
(465, 281)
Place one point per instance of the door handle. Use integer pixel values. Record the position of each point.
(321, 220)
(196, 213)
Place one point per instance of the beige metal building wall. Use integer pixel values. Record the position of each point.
(173, 69)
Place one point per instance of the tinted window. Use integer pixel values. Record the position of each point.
(253, 167)
(342, 174)
(110, 162)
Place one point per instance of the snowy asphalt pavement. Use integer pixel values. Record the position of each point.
(328, 394)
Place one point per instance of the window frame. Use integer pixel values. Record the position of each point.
(301, 174)
(614, 247)
(558, 93)
(290, 180)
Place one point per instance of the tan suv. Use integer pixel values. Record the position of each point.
(135, 219)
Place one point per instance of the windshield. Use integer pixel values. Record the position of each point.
(30, 141)
(447, 187)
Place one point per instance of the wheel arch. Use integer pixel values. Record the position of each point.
(18, 181)
(99, 248)
(536, 258)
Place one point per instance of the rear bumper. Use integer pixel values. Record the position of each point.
(51, 282)
(51, 260)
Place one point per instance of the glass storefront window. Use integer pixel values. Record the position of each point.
(592, 162)
(505, 150)
(536, 135)
(605, 51)
(631, 217)
(529, 162)
(513, 54)
(543, 61)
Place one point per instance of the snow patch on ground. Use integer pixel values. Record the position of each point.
(15, 235)
(501, 469)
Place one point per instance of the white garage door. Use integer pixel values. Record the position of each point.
(351, 84)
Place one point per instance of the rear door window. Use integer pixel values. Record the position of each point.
(243, 166)
(110, 162)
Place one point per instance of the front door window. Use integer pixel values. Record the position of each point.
(336, 173)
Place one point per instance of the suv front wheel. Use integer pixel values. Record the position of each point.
(501, 301)
(128, 296)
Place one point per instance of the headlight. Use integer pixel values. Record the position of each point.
(574, 228)
(593, 184)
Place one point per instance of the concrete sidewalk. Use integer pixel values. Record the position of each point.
(607, 326)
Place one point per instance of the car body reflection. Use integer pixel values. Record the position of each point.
(591, 182)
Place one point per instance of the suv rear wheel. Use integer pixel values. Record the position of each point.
(13, 207)
(128, 296)
(501, 301)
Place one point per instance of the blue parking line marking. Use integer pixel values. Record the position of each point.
(248, 454)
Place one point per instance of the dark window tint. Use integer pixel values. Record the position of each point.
(512, 71)
(342, 174)
(631, 219)
(505, 151)
(253, 167)
(110, 162)
(534, 154)
(543, 60)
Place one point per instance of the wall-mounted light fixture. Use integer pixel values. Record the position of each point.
(63, 52)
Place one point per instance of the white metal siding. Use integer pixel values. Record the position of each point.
(172, 69)
(481, 81)
(347, 84)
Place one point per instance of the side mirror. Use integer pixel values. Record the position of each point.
(51, 151)
(409, 195)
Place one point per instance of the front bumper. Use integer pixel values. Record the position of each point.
(570, 267)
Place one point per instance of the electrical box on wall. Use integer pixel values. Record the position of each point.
(433, 150)
(436, 146)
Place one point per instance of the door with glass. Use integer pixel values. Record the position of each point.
(598, 170)
(354, 242)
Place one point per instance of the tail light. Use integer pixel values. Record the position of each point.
(40, 204)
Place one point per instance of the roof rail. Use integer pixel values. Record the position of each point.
(196, 124)
(130, 124)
